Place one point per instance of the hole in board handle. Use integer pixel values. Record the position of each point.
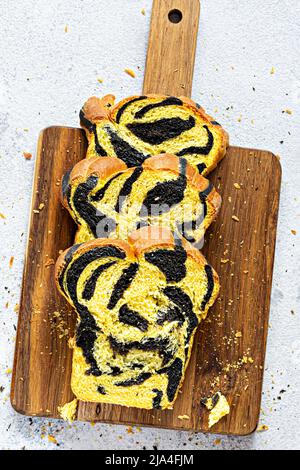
(175, 16)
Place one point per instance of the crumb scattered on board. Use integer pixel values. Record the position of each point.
(183, 417)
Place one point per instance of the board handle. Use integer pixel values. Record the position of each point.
(172, 46)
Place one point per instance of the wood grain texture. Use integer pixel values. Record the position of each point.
(172, 48)
(241, 252)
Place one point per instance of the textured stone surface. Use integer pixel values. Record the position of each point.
(45, 76)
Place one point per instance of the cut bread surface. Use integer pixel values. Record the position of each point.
(139, 303)
(142, 126)
(107, 199)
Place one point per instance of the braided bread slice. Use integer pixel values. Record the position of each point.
(138, 304)
(107, 199)
(141, 126)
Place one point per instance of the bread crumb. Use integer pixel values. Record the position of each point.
(217, 442)
(11, 261)
(288, 111)
(68, 411)
(27, 155)
(234, 217)
(52, 439)
(272, 71)
(183, 417)
(294, 232)
(224, 261)
(50, 262)
(218, 407)
(263, 427)
(143, 11)
(238, 334)
(41, 206)
(2, 216)
(66, 29)
(8, 371)
(236, 185)
(130, 72)
(99, 80)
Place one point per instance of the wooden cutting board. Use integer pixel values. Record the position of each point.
(229, 348)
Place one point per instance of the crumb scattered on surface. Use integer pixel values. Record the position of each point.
(130, 72)
(234, 217)
(11, 261)
(262, 427)
(27, 155)
(294, 232)
(52, 439)
(143, 11)
(183, 417)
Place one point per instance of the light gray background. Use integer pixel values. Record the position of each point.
(46, 75)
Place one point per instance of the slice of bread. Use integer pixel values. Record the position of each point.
(107, 199)
(141, 126)
(139, 304)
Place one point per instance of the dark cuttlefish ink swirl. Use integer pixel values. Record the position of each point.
(156, 402)
(87, 329)
(170, 262)
(125, 106)
(184, 303)
(174, 374)
(135, 381)
(159, 344)
(90, 285)
(199, 150)
(210, 286)
(122, 284)
(124, 151)
(86, 210)
(171, 100)
(164, 195)
(159, 131)
(127, 187)
(132, 318)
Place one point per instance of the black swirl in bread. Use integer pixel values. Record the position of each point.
(139, 304)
